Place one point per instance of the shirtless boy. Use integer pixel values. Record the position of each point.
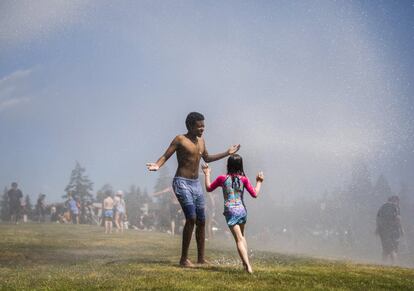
(190, 148)
(108, 212)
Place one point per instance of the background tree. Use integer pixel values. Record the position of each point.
(146, 197)
(79, 185)
(361, 207)
(360, 187)
(106, 189)
(382, 191)
(4, 211)
(407, 215)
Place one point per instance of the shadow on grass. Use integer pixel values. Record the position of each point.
(220, 269)
(140, 261)
(28, 255)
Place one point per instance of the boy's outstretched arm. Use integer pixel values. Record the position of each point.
(211, 158)
(168, 153)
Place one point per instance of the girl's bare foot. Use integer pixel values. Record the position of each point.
(186, 263)
(248, 268)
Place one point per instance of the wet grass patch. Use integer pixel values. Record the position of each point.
(70, 257)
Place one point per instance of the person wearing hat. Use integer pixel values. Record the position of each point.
(120, 210)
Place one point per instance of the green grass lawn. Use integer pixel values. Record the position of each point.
(67, 257)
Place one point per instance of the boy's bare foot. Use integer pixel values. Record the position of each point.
(186, 264)
(204, 262)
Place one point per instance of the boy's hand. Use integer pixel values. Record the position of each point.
(206, 169)
(260, 177)
(152, 166)
(233, 149)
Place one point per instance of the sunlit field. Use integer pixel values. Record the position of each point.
(67, 257)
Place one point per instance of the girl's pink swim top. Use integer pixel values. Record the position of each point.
(233, 192)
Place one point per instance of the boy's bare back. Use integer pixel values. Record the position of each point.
(108, 203)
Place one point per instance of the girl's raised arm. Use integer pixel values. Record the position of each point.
(216, 183)
(259, 181)
(248, 186)
(206, 171)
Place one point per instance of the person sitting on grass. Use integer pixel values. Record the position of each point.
(233, 185)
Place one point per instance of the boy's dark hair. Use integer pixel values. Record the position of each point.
(235, 167)
(192, 118)
(14, 184)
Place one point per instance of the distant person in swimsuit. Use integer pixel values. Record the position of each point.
(190, 148)
(120, 210)
(108, 212)
(41, 208)
(233, 185)
(74, 209)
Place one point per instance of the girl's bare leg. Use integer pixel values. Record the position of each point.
(241, 246)
(245, 244)
(244, 238)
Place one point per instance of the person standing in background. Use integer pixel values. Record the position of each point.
(389, 228)
(108, 212)
(15, 195)
(120, 210)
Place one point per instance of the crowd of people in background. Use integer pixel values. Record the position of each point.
(113, 215)
(111, 212)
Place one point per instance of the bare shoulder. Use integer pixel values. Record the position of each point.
(178, 139)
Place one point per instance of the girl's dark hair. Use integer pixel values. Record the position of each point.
(192, 118)
(234, 168)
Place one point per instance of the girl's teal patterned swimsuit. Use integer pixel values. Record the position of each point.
(233, 187)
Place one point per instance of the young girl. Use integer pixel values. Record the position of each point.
(233, 185)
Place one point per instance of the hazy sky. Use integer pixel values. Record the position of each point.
(307, 87)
